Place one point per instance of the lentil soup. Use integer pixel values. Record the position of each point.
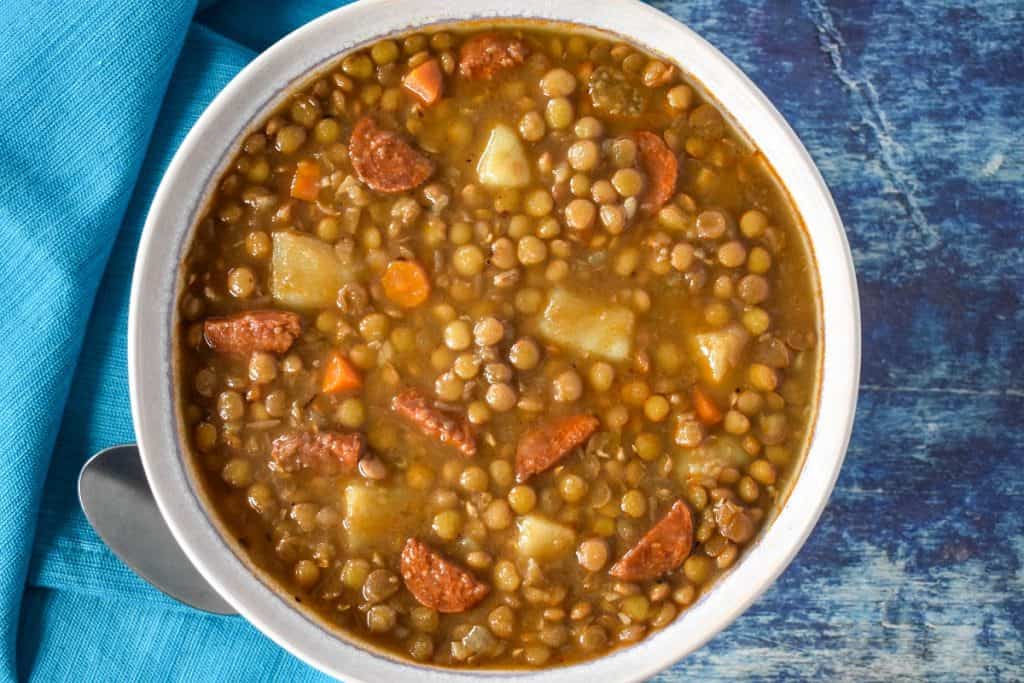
(497, 345)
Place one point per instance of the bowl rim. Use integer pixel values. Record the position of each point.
(203, 153)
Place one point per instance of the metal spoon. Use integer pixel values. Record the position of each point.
(115, 496)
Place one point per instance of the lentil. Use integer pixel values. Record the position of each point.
(630, 284)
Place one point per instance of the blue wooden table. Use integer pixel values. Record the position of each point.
(913, 111)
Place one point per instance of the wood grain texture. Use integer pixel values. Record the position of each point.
(912, 112)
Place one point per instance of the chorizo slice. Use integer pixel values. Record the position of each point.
(384, 160)
(446, 427)
(272, 331)
(541, 447)
(661, 167)
(326, 452)
(483, 56)
(439, 583)
(662, 549)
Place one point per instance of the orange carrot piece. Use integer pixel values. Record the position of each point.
(707, 411)
(425, 82)
(339, 375)
(406, 283)
(306, 181)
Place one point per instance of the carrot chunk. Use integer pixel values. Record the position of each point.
(425, 82)
(339, 375)
(707, 411)
(406, 283)
(306, 181)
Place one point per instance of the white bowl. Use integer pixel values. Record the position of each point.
(209, 147)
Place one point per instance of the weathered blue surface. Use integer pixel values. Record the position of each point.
(913, 111)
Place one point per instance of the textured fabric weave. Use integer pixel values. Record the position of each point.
(96, 97)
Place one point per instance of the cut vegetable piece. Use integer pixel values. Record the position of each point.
(425, 82)
(708, 459)
(378, 518)
(304, 272)
(721, 351)
(588, 326)
(406, 283)
(705, 407)
(306, 181)
(503, 162)
(540, 538)
(339, 375)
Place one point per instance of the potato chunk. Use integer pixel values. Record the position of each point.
(503, 162)
(378, 518)
(720, 351)
(540, 538)
(304, 272)
(588, 326)
(710, 458)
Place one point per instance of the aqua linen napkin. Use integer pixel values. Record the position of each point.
(95, 97)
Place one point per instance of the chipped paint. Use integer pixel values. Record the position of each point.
(865, 98)
(994, 163)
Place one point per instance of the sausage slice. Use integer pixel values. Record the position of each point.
(483, 56)
(384, 160)
(438, 583)
(325, 452)
(273, 331)
(444, 426)
(660, 165)
(662, 549)
(542, 447)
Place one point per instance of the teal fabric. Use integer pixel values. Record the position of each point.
(96, 97)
